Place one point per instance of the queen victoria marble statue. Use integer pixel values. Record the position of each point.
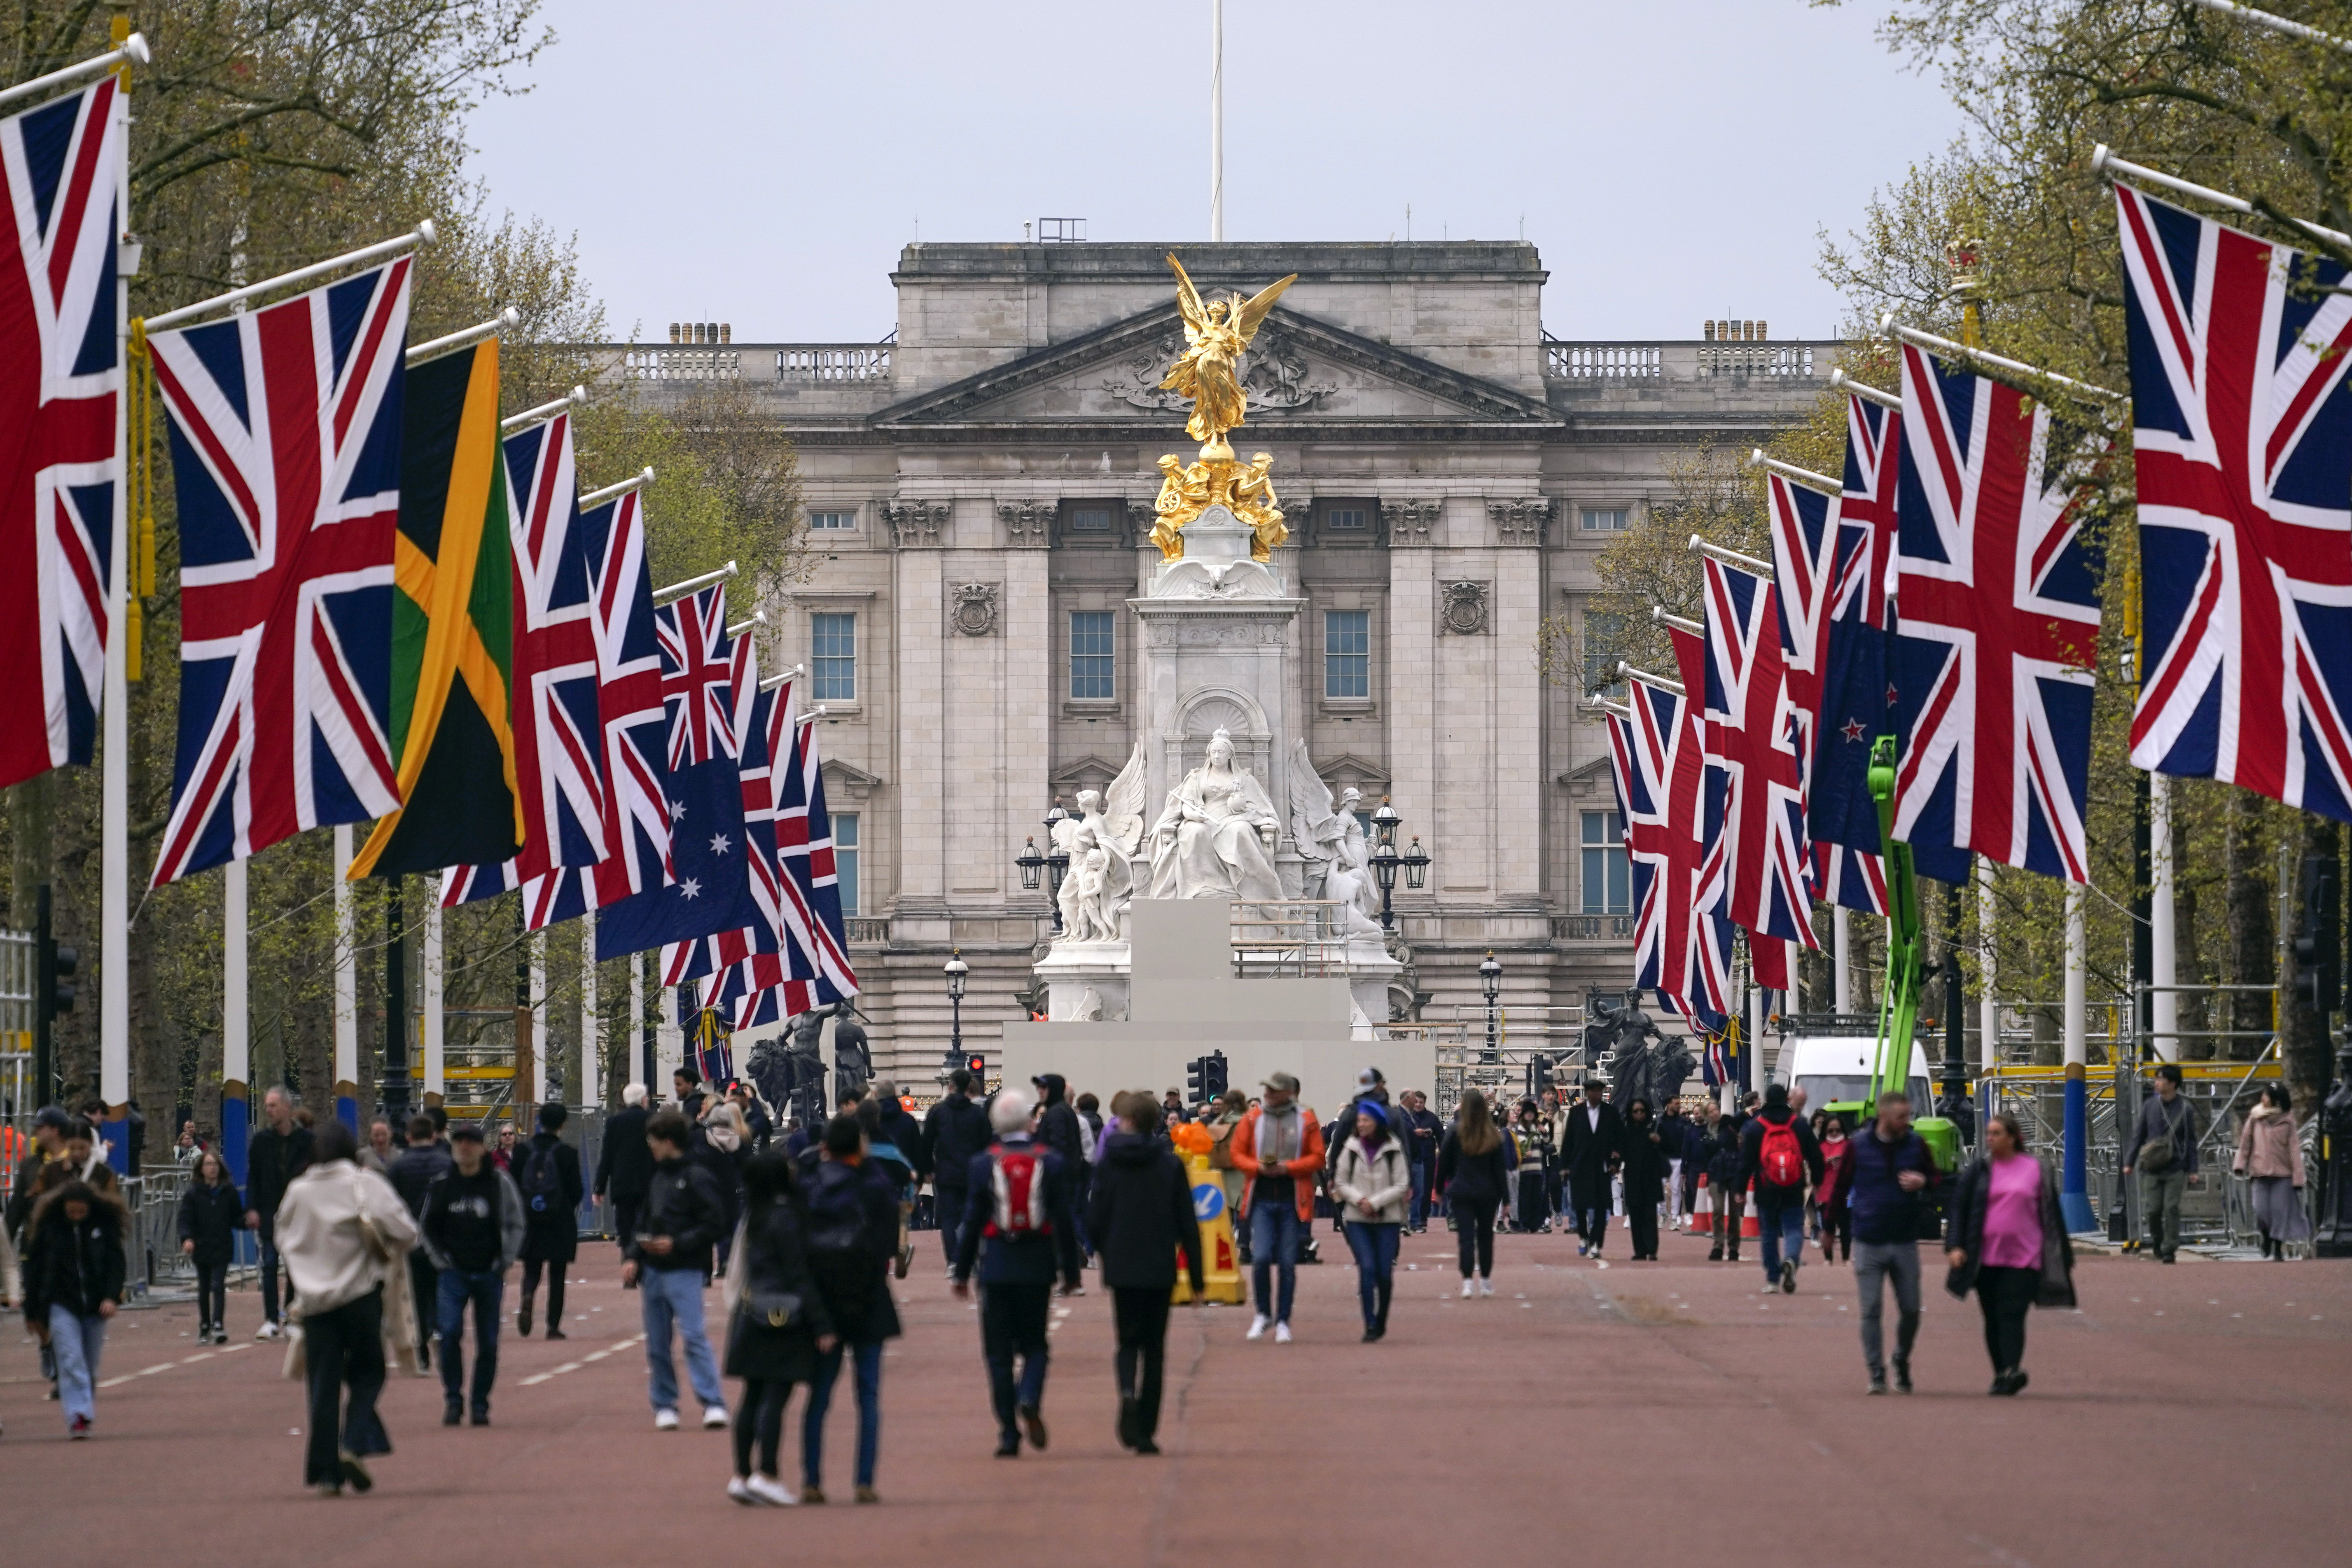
(1213, 840)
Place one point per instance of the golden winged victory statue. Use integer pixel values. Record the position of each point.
(1216, 335)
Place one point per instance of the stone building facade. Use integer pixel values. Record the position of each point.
(980, 490)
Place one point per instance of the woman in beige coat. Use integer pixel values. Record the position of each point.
(344, 1235)
(2270, 1155)
(1373, 1185)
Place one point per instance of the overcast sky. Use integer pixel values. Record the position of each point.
(761, 163)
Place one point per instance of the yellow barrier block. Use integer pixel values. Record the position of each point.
(1221, 1272)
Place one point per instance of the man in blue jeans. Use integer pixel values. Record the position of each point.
(669, 1262)
(1279, 1149)
(1422, 1134)
(471, 1225)
(1779, 1154)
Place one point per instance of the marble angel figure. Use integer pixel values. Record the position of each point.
(1330, 840)
(1213, 839)
(1094, 898)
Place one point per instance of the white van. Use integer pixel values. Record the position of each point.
(1834, 1068)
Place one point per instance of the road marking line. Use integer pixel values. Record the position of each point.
(569, 1367)
(152, 1371)
(110, 1382)
(232, 1350)
(542, 1377)
(191, 1360)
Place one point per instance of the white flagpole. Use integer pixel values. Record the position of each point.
(1216, 121)
(1987, 1007)
(422, 234)
(347, 986)
(436, 1037)
(2163, 932)
(131, 50)
(537, 1025)
(114, 724)
(237, 1037)
(1841, 928)
(636, 1050)
(592, 1052)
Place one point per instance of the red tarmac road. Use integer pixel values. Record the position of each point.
(2196, 1414)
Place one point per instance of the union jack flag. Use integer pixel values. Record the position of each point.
(635, 770)
(285, 428)
(1656, 752)
(698, 676)
(60, 387)
(2242, 428)
(1766, 886)
(1992, 659)
(1810, 553)
(1701, 975)
(557, 740)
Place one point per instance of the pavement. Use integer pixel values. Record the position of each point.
(2194, 1413)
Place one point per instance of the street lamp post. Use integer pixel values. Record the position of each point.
(1490, 979)
(957, 971)
(1386, 860)
(1048, 865)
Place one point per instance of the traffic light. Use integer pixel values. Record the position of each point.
(1212, 1075)
(1539, 1075)
(976, 1064)
(1196, 1080)
(2319, 939)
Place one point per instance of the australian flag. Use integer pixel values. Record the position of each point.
(709, 888)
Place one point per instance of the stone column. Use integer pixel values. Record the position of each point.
(920, 832)
(1413, 525)
(1515, 775)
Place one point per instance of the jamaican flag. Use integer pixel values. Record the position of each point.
(452, 630)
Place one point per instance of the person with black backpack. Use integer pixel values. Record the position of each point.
(1020, 1202)
(547, 1173)
(1780, 1155)
(851, 1237)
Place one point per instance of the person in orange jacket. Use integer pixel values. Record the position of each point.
(1278, 1149)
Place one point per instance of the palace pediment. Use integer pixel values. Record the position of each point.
(1305, 378)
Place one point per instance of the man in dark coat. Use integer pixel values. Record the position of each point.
(1017, 1271)
(1648, 1149)
(412, 1177)
(1059, 1129)
(954, 1133)
(547, 1173)
(1592, 1151)
(623, 1169)
(1140, 1213)
(280, 1153)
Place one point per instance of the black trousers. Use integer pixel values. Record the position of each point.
(212, 1295)
(2006, 1295)
(762, 1416)
(1475, 1229)
(268, 1234)
(948, 1204)
(1013, 1323)
(624, 1220)
(1589, 1193)
(1641, 1219)
(424, 1287)
(343, 1349)
(1141, 1313)
(531, 1268)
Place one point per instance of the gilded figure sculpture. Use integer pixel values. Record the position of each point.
(1216, 334)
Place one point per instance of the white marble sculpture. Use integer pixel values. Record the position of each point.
(1336, 860)
(1101, 842)
(1214, 839)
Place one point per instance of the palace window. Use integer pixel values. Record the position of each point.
(1347, 653)
(833, 519)
(1347, 520)
(1093, 662)
(1608, 883)
(1604, 521)
(1090, 519)
(833, 657)
(844, 859)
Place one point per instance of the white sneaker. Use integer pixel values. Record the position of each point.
(1485, 1286)
(772, 1491)
(266, 1331)
(741, 1491)
(1258, 1326)
(1467, 1286)
(1282, 1333)
(714, 1415)
(664, 1420)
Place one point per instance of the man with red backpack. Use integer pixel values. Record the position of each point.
(1779, 1154)
(1019, 1204)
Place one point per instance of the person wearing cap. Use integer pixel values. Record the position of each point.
(49, 1124)
(1278, 1147)
(1373, 1182)
(472, 1226)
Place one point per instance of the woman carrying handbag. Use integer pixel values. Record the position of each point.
(2006, 1241)
(777, 1323)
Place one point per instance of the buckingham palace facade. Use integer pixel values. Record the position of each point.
(980, 491)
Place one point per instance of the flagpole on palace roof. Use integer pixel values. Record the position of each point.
(114, 781)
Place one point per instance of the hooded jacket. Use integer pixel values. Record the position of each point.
(1058, 1127)
(684, 1204)
(1140, 1213)
(1383, 1178)
(211, 1217)
(73, 1266)
(2268, 1146)
(853, 1280)
(955, 1131)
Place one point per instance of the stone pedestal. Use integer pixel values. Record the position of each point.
(1087, 981)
